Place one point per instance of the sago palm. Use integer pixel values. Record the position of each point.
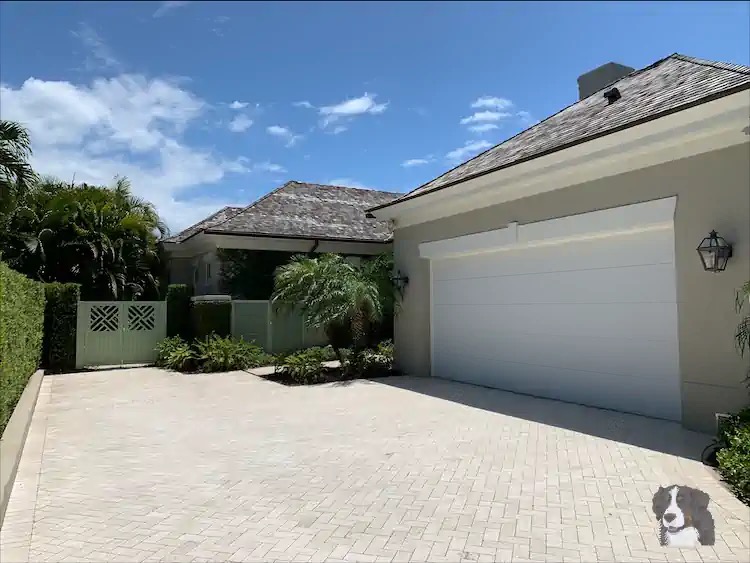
(333, 292)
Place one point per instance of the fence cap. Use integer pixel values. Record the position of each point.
(211, 298)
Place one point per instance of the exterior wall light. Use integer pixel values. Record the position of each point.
(400, 281)
(715, 252)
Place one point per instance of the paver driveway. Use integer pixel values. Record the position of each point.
(140, 464)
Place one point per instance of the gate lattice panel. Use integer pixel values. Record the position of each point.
(119, 332)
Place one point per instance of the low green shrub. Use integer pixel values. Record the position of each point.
(370, 363)
(60, 325)
(178, 310)
(176, 354)
(210, 317)
(306, 366)
(734, 461)
(226, 354)
(212, 354)
(21, 327)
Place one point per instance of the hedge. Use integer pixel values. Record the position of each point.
(208, 317)
(178, 310)
(60, 326)
(21, 326)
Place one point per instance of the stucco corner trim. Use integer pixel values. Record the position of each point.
(639, 217)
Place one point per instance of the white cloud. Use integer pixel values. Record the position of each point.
(482, 127)
(240, 124)
(481, 116)
(526, 118)
(348, 183)
(491, 102)
(416, 162)
(303, 104)
(127, 125)
(101, 56)
(351, 108)
(238, 105)
(283, 133)
(470, 148)
(338, 129)
(269, 167)
(167, 7)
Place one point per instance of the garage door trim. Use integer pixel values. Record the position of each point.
(616, 221)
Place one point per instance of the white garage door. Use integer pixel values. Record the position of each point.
(592, 321)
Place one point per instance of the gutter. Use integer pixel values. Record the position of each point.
(282, 236)
(559, 148)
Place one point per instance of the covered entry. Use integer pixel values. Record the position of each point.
(119, 332)
(581, 308)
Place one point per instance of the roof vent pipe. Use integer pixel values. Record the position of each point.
(596, 79)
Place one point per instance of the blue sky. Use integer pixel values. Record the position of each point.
(204, 104)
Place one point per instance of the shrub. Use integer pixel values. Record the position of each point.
(734, 462)
(60, 316)
(306, 366)
(370, 363)
(211, 317)
(175, 354)
(178, 310)
(21, 327)
(226, 354)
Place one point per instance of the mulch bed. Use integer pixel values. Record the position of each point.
(331, 375)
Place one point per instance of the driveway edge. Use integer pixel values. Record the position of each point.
(14, 438)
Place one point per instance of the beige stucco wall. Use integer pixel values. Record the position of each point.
(713, 192)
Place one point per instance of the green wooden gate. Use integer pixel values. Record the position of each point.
(119, 332)
(274, 331)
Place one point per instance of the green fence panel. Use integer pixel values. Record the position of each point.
(250, 322)
(119, 332)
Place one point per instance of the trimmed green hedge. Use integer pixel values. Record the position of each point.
(60, 326)
(207, 317)
(21, 326)
(178, 310)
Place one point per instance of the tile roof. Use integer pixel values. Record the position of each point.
(663, 87)
(219, 217)
(303, 210)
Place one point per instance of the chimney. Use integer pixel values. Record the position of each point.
(596, 79)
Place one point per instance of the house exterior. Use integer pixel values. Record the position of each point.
(297, 217)
(562, 262)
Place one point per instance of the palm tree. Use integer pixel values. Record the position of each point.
(15, 171)
(334, 292)
(742, 334)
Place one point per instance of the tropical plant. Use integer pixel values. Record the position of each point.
(176, 354)
(104, 238)
(15, 171)
(215, 353)
(334, 292)
(306, 366)
(742, 334)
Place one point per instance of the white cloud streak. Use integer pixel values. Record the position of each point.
(491, 102)
(416, 162)
(240, 124)
(238, 105)
(100, 55)
(351, 108)
(482, 128)
(283, 133)
(470, 148)
(348, 183)
(167, 7)
(481, 116)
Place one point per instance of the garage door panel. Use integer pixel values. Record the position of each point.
(591, 322)
(633, 250)
(607, 391)
(632, 284)
(655, 321)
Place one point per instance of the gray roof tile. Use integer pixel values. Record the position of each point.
(219, 217)
(665, 86)
(302, 210)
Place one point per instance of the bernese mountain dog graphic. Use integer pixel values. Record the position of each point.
(683, 516)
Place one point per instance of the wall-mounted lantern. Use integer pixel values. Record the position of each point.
(715, 252)
(400, 281)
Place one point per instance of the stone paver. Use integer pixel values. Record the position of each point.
(143, 465)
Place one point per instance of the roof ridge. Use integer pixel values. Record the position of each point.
(361, 189)
(731, 67)
(257, 201)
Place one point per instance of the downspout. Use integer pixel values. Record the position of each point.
(314, 246)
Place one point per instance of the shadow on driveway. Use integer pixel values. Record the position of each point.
(650, 433)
